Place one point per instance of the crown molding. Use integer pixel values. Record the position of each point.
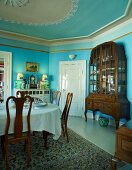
(122, 21)
(14, 46)
(97, 38)
(40, 41)
(113, 29)
(22, 37)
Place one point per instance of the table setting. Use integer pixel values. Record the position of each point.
(44, 116)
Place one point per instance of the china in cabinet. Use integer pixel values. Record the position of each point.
(108, 81)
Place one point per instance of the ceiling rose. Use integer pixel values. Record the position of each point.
(37, 12)
(16, 3)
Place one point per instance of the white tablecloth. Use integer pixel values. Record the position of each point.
(44, 118)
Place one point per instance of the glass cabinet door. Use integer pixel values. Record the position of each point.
(121, 77)
(108, 71)
(92, 79)
(94, 70)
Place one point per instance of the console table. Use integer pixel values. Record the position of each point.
(39, 93)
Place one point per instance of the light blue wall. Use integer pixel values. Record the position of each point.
(55, 58)
(127, 43)
(23, 44)
(49, 63)
(19, 59)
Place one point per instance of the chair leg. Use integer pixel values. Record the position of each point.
(28, 151)
(25, 144)
(6, 156)
(66, 133)
(63, 130)
(2, 146)
(113, 164)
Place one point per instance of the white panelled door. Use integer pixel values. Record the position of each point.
(7, 58)
(73, 79)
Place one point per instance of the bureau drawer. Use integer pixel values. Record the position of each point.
(97, 105)
(124, 146)
(107, 108)
(89, 105)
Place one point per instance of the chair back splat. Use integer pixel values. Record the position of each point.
(65, 114)
(22, 93)
(56, 97)
(17, 135)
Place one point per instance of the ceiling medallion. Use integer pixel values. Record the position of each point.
(70, 14)
(47, 12)
(16, 3)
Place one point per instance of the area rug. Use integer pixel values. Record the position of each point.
(78, 154)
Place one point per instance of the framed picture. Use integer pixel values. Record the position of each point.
(32, 67)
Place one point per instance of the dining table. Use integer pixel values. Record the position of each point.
(44, 117)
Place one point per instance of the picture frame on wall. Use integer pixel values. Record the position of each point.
(31, 67)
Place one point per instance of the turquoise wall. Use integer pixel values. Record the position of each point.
(19, 59)
(84, 54)
(49, 62)
(23, 44)
(127, 43)
(54, 60)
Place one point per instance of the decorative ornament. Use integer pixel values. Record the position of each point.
(16, 3)
(72, 56)
(20, 76)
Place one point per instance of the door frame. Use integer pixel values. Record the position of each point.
(7, 56)
(84, 78)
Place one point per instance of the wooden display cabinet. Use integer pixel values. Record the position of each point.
(107, 82)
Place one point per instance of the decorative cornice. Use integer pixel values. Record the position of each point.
(25, 38)
(40, 41)
(56, 51)
(62, 51)
(53, 43)
(90, 48)
(14, 46)
(114, 28)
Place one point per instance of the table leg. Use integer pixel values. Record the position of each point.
(117, 123)
(85, 114)
(114, 162)
(45, 137)
(94, 112)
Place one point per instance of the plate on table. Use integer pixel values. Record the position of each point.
(39, 105)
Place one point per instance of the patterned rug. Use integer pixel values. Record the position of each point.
(78, 154)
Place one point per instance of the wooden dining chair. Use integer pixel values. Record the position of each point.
(22, 93)
(56, 97)
(64, 116)
(18, 134)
